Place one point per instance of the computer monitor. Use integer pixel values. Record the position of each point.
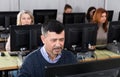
(2, 20)
(80, 35)
(27, 37)
(43, 15)
(103, 68)
(110, 14)
(35, 40)
(71, 18)
(119, 17)
(8, 18)
(114, 32)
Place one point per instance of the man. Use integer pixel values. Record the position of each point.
(52, 53)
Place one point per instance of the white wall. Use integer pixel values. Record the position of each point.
(8, 5)
(83, 5)
(113, 6)
(78, 5)
(42, 4)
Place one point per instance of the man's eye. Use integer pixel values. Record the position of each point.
(53, 40)
(61, 39)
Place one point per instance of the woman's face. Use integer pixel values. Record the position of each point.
(103, 18)
(26, 19)
(68, 10)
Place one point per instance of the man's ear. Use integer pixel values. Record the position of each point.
(42, 38)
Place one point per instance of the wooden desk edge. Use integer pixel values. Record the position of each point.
(9, 68)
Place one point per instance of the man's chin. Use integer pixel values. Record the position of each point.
(57, 51)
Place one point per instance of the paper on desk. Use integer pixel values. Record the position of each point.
(106, 54)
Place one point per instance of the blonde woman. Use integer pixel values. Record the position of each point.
(24, 17)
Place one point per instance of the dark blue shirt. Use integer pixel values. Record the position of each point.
(34, 64)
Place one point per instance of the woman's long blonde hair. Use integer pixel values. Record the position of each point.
(24, 12)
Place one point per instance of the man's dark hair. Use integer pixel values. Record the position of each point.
(52, 26)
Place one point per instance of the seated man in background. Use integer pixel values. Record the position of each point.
(52, 53)
(67, 9)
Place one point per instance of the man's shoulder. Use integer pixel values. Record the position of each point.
(33, 53)
(67, 52)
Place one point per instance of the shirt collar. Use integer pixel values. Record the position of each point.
(46, 56)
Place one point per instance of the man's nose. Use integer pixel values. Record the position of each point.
(58, 43)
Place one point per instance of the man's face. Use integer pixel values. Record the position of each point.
(53, 42)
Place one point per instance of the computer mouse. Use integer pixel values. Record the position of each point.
(2, 54)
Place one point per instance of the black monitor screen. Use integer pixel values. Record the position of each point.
(103, 68)
(2, 21)
(119, 16)
(27, 37)
(80, 35)
(70, 18)
(35, 40)
(110, 14)
(44, 15)
(8, 18)
(89, 35)
(114, 31)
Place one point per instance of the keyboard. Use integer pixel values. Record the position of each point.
(16, 53)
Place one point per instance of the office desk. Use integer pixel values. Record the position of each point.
(8, 63)
(102, 55)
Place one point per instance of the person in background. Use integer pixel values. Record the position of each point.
(67, 9)
(90, 12)
(50, 54)
(100, 17)
(24, 17)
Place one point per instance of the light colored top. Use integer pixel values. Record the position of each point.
(7, 46)
(46, 56)
(101, 36)
(60, 18)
